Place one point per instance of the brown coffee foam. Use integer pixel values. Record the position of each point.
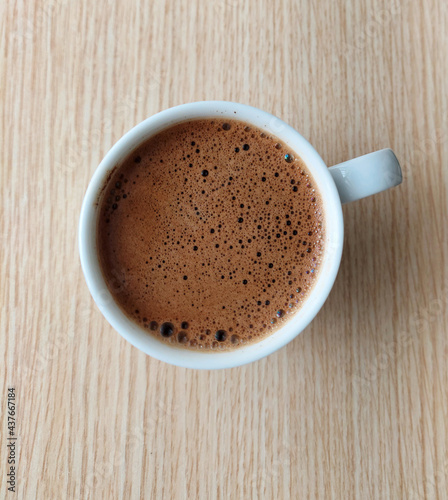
(175, 244)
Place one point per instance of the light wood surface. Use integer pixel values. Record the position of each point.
(357, 405)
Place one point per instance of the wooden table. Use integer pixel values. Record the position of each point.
(357, 405)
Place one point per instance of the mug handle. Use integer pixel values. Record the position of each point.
(367, 175)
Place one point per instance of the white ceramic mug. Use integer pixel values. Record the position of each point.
(342, 183)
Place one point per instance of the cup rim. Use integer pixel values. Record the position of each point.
(334, 234)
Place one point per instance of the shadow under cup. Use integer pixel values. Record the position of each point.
(332, 208)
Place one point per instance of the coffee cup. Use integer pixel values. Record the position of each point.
(342, 183)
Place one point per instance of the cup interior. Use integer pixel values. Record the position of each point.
(328, 268)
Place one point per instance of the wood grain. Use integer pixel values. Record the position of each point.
(357, 405)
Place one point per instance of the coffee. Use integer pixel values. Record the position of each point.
(210, 234)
